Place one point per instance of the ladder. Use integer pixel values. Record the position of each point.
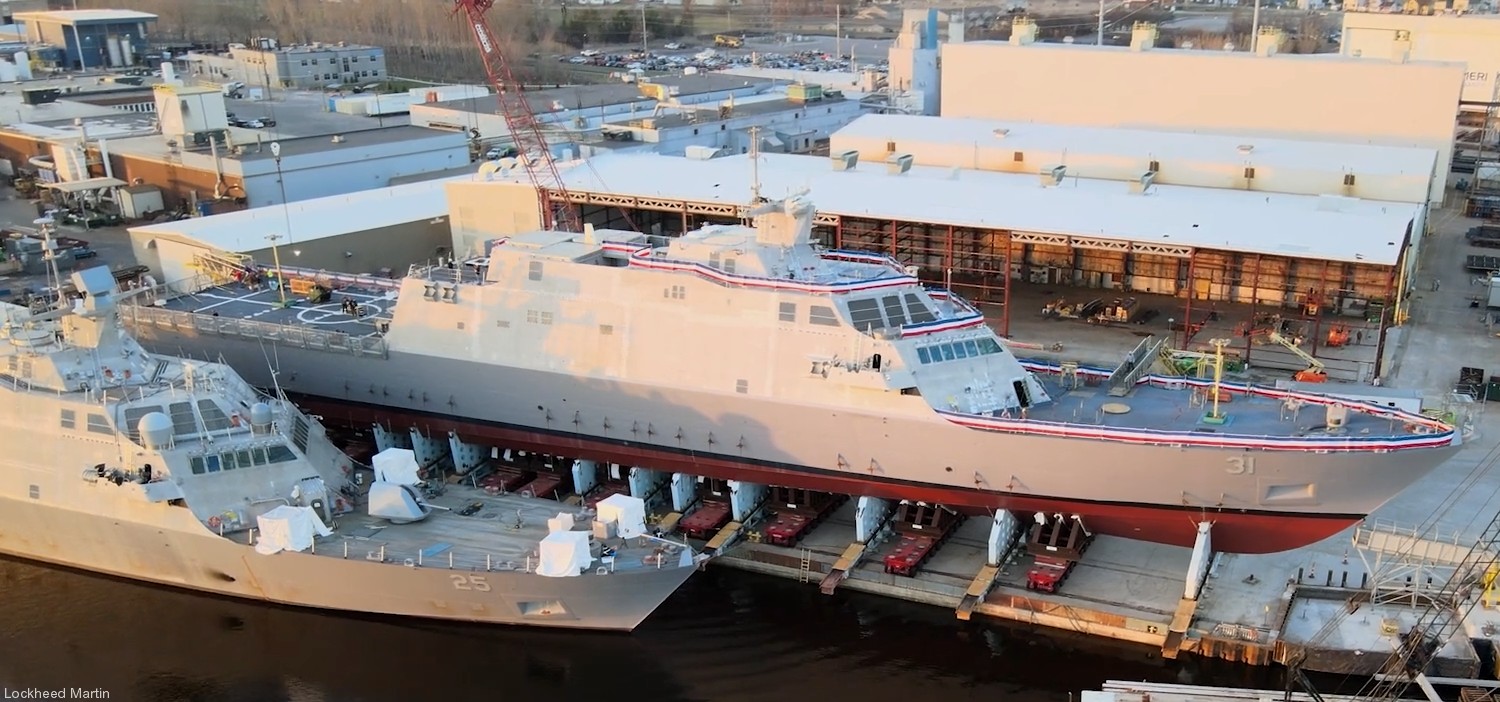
(804, 574)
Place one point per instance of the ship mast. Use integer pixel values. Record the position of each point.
(44, 225)
(1215, 416)
(755, 198)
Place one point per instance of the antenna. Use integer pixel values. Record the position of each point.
(54, 279)
(755, 165)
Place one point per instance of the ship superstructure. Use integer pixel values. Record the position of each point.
(749, 352)
(156, 468)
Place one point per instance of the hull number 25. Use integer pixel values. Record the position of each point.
(1240, 465)
(471, 583)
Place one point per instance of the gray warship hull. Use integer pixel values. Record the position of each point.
(153, 552)
(1261, 501)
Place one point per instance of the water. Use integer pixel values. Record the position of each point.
(726, 636)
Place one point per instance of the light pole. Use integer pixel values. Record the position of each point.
(276, 251)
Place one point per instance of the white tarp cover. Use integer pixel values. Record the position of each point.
(564, 554)
(562, 522)
(628, 513)
(396, 465)
(288, 528)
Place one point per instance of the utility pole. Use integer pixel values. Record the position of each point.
(645, 43)
(1099, 39)
(838, 31)
(1255, 28)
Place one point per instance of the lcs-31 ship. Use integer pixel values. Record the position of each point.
(750, 353)
(155, 468)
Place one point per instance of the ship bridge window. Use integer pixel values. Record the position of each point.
(243, 458)
(865, 314)
(99, 425)
(824, 316)
(184, 421)
(213, 417)
(893, 311)
(729, 266)
(787, 312)
(954, 350)
(917, 310)
(713, 257)
(67, 418)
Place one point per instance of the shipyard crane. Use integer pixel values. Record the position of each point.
(531, 143)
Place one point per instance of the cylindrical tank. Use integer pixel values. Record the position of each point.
(127, 52)
(23, 65)
(8, 72)
(155, 430)
(260, 418)
(114, 51)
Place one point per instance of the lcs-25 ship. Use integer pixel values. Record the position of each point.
(750, 353)
(154, 468)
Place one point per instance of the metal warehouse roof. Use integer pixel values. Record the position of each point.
(911, 132)
(317, 218)
(84, 16)
(1303, 226)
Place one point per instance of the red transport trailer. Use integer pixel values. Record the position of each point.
(545, 485)
(921, 529)
(604, 491)
(1057, 546)
(796, 512)
(713, 511)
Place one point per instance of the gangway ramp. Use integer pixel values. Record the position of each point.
(842, 567)
(723, 538)
(1393, 542)
(983, 582)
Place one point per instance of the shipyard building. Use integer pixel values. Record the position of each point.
(185, 146)
(673, 115)
(91, 39)
(1314, 97)
(270, 64)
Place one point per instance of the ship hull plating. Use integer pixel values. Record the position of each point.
(205, 562)
(1260, 501)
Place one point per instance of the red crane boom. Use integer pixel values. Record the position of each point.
(531, 143)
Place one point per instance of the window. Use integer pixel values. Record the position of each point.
(538, 317)
(947, 350)
(823, 316)
(211, 463)
(729, 265)
(865, 314)
(971, 348)
(713, 259)
(68, 419)
(917, 310)
(279, 454)
(606, 329)
(788, 312)
(99, 425)
(923, 355)
(893, 310)
(742, 386)
(229, 462)
(534, 271)
(676, 292)
(197, 464)
(213, 417)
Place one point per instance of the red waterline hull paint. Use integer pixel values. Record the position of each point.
(1235, 531)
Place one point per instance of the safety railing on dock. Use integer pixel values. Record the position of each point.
(138, 316)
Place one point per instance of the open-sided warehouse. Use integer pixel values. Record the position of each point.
(372, 231)
(1316, 96)
(989, 233)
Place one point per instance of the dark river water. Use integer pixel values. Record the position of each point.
(726, 636)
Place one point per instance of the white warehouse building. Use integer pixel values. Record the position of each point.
(1311, 97)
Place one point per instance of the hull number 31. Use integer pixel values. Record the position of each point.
(1240, 465)
(472, 583)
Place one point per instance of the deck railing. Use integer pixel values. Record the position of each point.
(655, 553)
(138, 316)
